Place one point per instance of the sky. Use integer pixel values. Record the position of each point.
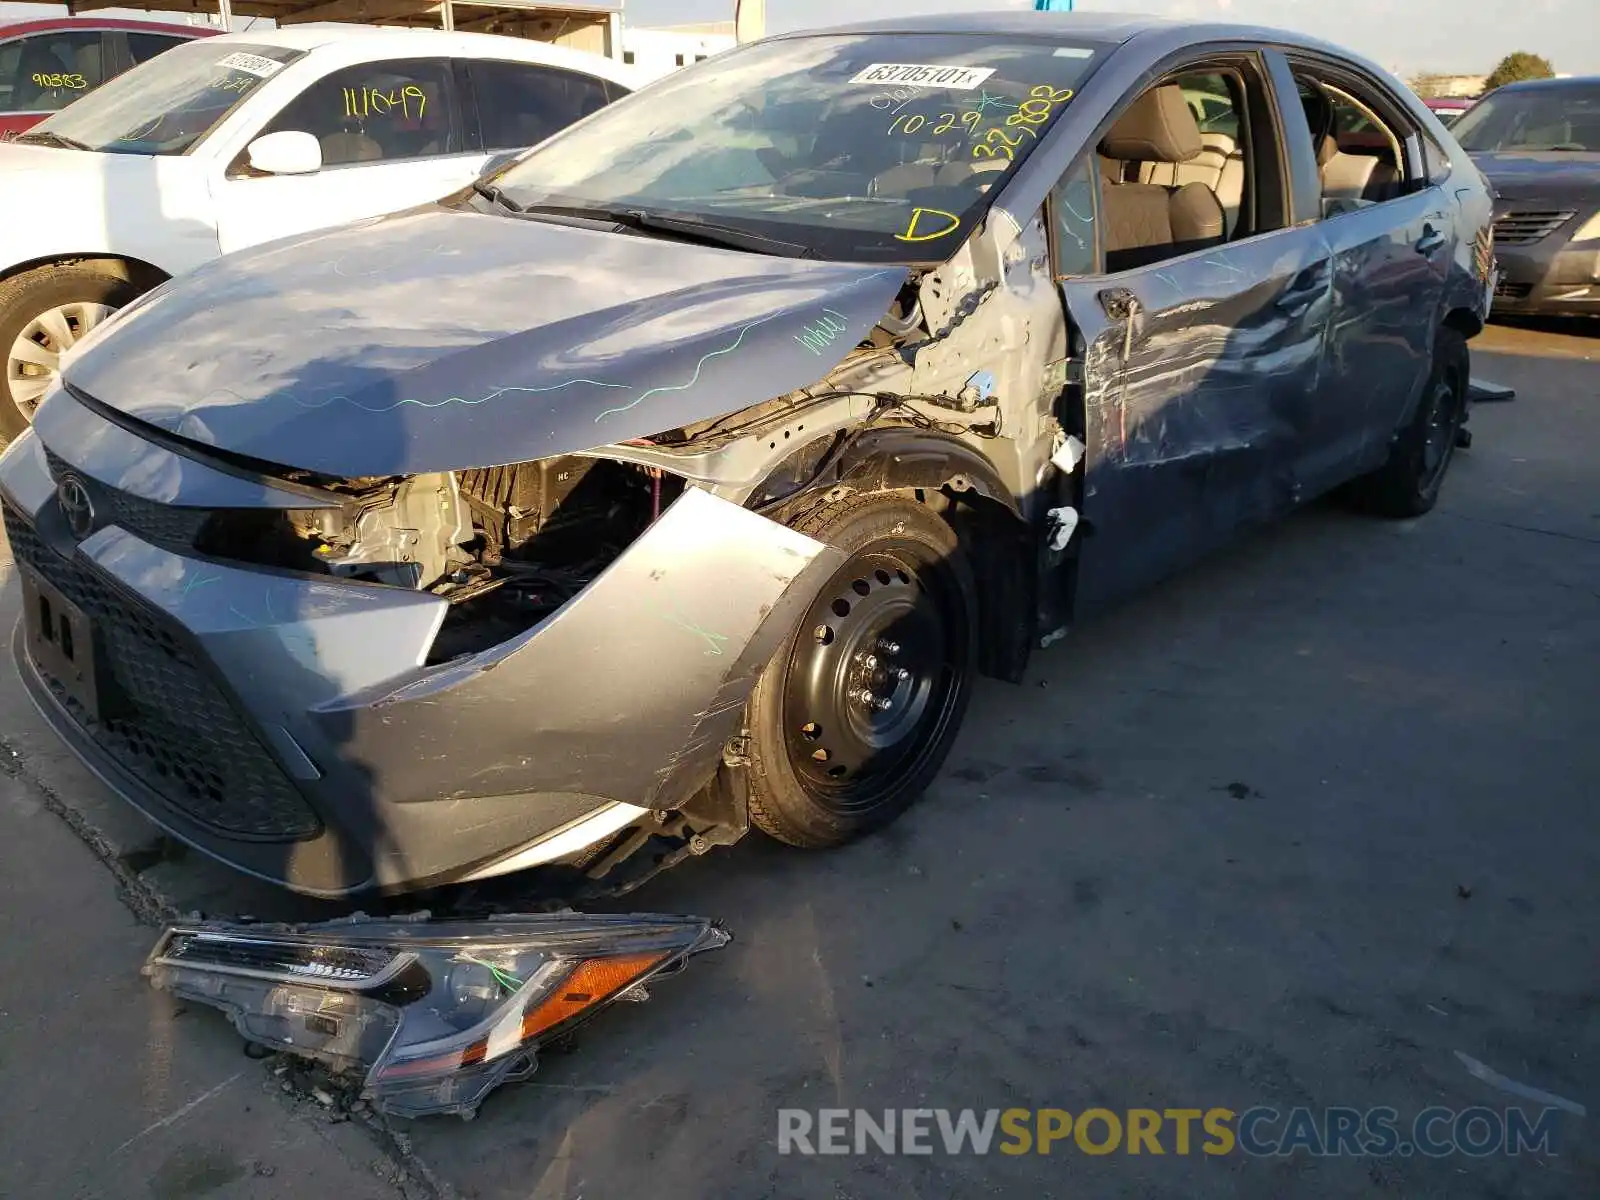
(1456, 36)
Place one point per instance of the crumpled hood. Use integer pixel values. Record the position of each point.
(440, 339)
(1557, 176)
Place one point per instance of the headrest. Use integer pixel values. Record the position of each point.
(1322, 119)
(1160, 127)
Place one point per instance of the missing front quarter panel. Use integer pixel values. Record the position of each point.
(506, 546)
(542, 532)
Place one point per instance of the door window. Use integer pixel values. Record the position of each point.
(1359, 152)
(1072, 221)
(377, 112)
(520, 104)
(50, 70)
(1187, 164)
(147, 45)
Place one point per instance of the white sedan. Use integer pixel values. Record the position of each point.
(230, 141)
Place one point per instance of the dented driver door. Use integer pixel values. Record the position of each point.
(1200, 381)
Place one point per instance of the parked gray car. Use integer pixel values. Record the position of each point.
(1538, 143)
(683, 474)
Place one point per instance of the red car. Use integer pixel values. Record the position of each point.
(1449, 108)
(46, 65)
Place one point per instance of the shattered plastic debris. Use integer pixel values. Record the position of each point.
(422, 1016)
(1069, 454)
(1538, 1095)
(1063, 521)
(1482, 391)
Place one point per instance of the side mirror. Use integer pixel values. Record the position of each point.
(288, 152)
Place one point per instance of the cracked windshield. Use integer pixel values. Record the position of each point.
(876, 148)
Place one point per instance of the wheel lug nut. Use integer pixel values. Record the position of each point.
(888, 647)
(884, 704)
(902, 674)
(869, 661)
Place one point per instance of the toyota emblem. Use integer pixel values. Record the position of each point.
(76, 505)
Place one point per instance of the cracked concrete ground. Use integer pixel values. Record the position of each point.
(1293, 829)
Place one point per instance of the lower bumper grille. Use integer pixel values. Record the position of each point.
(172, 727)
(1513, 291)
(1526, 228)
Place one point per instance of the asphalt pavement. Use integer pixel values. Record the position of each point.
(1303, 827)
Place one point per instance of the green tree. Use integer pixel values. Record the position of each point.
(1516, 67)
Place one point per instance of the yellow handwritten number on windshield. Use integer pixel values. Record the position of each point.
(1033, 111)
(75, 83)
(1007, 146)
(367, 101)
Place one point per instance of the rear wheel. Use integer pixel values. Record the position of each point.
(1408, 484)
(43, 313)
(854, 716)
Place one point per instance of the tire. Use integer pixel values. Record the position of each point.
(1408, 484)
(853, 717)
(81, 296)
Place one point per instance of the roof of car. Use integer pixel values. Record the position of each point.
(1111, 27)
(1523, 85)
(1114, 28)
(10, 29)
(385, 40)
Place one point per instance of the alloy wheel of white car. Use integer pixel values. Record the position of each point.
(34, 361)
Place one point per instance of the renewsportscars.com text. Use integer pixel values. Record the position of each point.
(1260, 1132)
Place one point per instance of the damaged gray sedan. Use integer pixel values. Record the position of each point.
(683, 474)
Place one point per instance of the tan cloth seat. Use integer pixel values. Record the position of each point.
(1347, 179)
(1145, 222)
(1219, 165)
(347, 147)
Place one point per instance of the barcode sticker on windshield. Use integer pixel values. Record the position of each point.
(922, 75)
(251, 64)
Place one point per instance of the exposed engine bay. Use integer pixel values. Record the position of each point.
(505, 545)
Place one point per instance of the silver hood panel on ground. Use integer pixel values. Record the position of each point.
(442, 339)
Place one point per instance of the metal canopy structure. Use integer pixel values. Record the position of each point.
(594, 27)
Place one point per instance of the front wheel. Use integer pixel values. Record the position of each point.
(854, 716)
(1408, 484)
(43, 313)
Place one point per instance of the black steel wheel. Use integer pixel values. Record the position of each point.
(855, 715)
(1408, 484)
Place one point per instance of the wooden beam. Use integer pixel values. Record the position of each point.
(368, 11)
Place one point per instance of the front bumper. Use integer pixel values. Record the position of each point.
(283, 723)
(1548, 278)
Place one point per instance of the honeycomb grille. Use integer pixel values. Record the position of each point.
(167, 722)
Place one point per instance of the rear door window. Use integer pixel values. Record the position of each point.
(48, 71)
(521, 104)
(378, 112)
(147, 45)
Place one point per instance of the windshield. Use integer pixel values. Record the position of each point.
(167, 103)
(1544, 118)
(874, 147)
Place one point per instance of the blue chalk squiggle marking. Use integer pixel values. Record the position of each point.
(693, 379)
(494, 394)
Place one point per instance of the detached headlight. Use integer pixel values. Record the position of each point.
(1589, 231)
(433, 1015)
